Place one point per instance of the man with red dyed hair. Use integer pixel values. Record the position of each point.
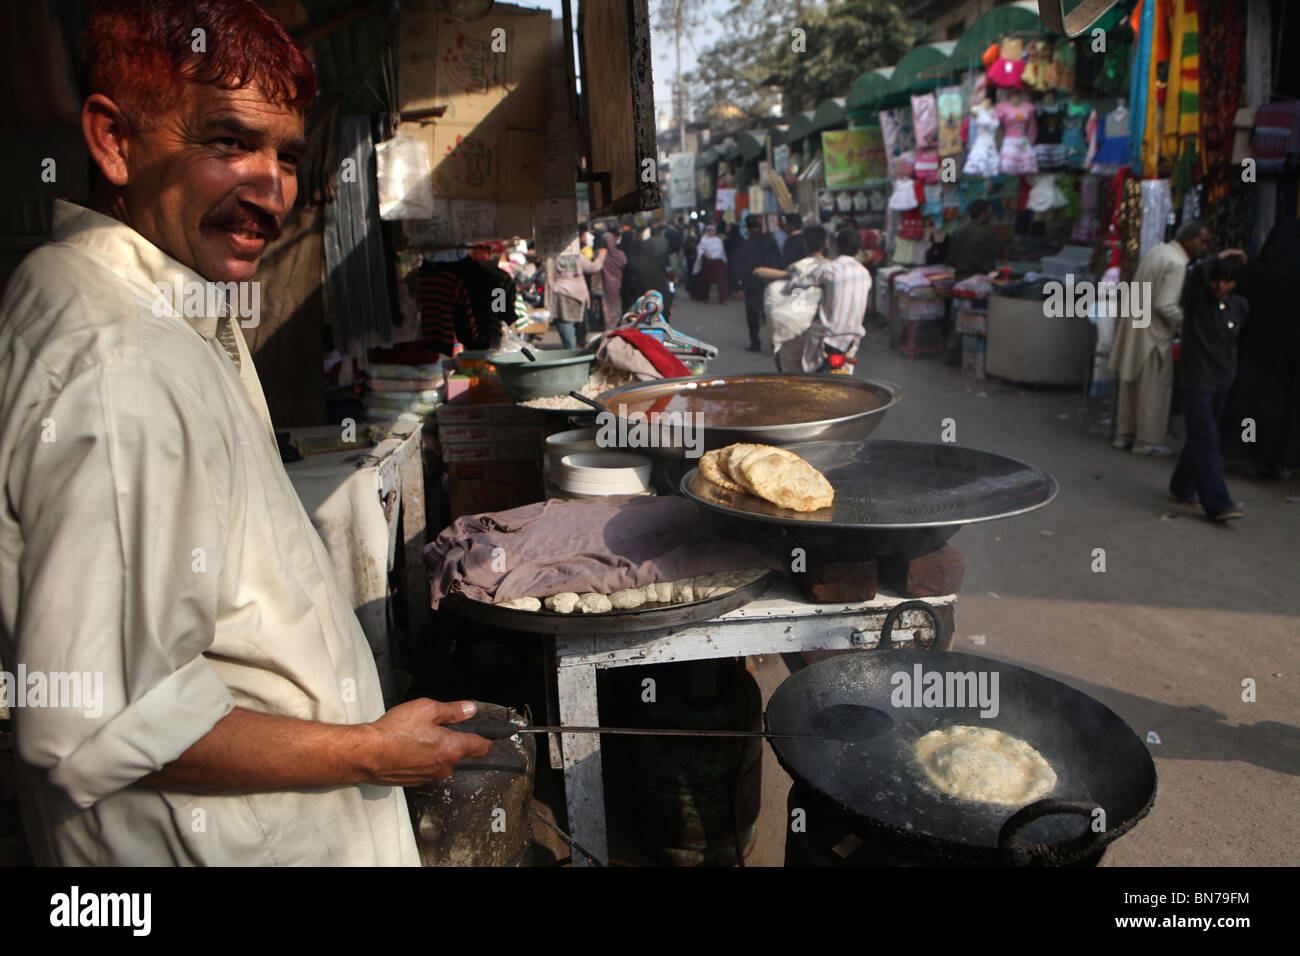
(156, 557)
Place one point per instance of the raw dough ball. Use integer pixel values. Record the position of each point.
(593, 603)
(562, 603)
(523, 604)
(626, 599)
(650, 593)
(984, 765)
(683, 591)
(664, 592)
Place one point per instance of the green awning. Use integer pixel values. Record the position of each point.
(753, 144)
(925, 68)
(868, 89)
(800, 128)
(830, 113)
(990, 28)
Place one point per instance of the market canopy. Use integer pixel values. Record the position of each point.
(800, 128)
(922, 69)
(869, 89)
(753, 144)
(830, 113)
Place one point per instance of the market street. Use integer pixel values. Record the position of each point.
(1185, 611)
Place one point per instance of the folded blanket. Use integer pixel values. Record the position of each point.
(598, 544)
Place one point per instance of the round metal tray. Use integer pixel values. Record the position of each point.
(895, 485)
(649, 618)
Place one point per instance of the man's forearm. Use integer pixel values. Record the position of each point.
(247, 751)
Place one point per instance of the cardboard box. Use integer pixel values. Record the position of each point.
(480, 486)
(489, 431)
(491, 77)
(969, 322)
(493, 451)
(502, 412)
(497, 67)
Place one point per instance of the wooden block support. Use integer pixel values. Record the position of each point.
(829, 582)
(925, 575)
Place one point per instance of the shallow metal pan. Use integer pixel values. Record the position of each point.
(611, 622)
(770, 387)
(895, 485)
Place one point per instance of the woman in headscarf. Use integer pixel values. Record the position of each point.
(711, 265)
(644, 273)
(1267, 389)
(567, 296)
(612, 276)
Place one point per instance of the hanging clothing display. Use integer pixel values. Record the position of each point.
(1049, 149)
(1045, 194)
(896, 133)
(904, 196)
(1017, 155)
(1157, 213)
(456, 302)
(1009, 68)
(1112, 143)
(983, 157)
(927, 165)
(949, 105)
(1182, 117)
(1073, 140)
(1036, 75)
(1062, 69)
(925, 121)
(1140, 84)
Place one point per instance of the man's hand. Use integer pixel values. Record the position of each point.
(410, 747)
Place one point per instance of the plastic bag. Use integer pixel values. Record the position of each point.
(405, 179)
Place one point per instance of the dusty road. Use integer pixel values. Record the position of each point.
(1185, 612)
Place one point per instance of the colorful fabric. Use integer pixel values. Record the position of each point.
(949, 103)
(925, 120)
(1144, 17)
(1036, 73)
(1061, 72)
(983, 157)
(1017, 155)
(1072, 133)
(1182, 117)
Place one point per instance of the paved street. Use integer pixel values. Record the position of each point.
(1185, 612)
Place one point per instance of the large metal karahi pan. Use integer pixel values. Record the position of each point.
(795, 398)
(1099, 760)
(895, 486)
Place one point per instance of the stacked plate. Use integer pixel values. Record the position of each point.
(572, 442)
(595, 474)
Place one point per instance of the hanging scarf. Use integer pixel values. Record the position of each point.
(1182, 118)
(1138, 87)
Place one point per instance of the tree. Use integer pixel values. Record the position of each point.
(679, 18)
(840, 41)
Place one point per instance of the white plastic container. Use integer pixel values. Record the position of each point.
(573, 442)
(602, 473)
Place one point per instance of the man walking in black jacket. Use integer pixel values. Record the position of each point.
(758, 251)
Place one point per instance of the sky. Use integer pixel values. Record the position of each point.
(661, 44)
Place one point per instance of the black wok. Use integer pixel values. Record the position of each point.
(1099, 761)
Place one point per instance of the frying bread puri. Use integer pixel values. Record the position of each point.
(711, 468)
(984, 765)
(786, 480)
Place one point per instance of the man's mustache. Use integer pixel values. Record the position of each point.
(243, 217)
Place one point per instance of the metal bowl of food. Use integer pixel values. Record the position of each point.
(550, 372)
(677, 417)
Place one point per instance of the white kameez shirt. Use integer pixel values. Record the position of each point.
(150, 534)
